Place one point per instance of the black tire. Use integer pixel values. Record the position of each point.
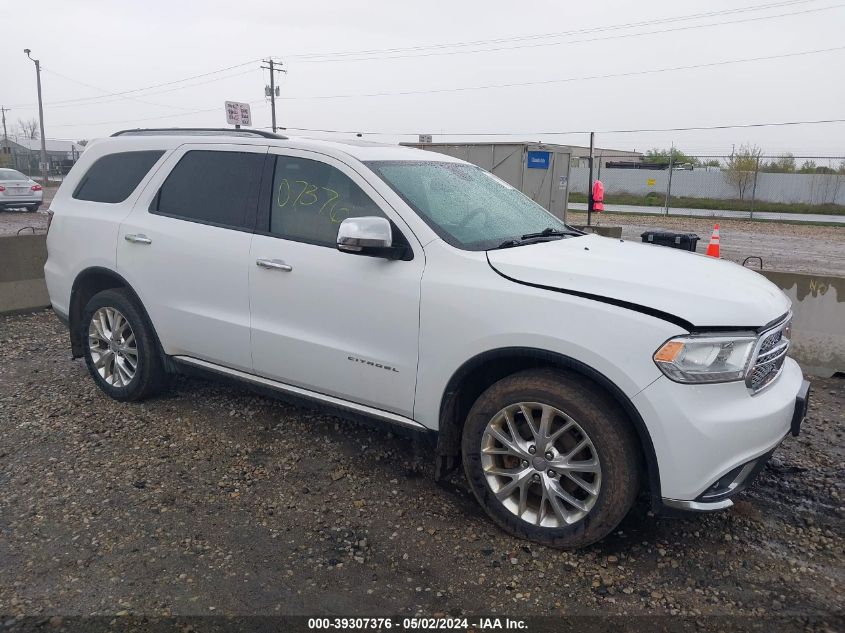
(33, 208)
(149, 377)
(602, 420)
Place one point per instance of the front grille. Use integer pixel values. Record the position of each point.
(769, 355)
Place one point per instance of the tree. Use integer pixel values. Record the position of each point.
(781, 165)
(742, 167)
(712, 162)
(83, 142)
(28, 128)
(662, 156)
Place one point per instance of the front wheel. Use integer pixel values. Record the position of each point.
(120, 347)
(551, 458)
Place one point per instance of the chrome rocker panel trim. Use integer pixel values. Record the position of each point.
(340, 403)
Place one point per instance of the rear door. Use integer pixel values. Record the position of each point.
(185, 250)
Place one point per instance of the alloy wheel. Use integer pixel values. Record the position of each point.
(112, 345)
(540, 464)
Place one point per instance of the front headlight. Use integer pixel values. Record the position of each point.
(701, 359)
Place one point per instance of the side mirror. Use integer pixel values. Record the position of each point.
(370, 236)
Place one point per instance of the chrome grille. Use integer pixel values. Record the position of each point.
(769, 355)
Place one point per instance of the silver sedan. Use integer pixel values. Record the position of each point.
(19, 191)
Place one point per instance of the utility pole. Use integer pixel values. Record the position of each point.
(590, 201)
(40, 119)
(669, 185)
(271, 66)
(3, 111)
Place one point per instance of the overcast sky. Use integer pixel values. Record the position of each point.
(90, 49)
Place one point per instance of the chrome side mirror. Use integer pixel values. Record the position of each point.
(370, 235)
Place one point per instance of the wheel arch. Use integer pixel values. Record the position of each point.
(89, 282)
(481, 371)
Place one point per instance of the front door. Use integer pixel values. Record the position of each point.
(336, 323)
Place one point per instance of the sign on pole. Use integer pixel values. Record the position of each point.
(238, 113)
(425, 138)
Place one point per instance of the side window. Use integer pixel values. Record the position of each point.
(311, 199)
(113, 177)
(213, 187)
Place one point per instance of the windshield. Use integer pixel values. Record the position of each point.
(11, 174)
(465, 205)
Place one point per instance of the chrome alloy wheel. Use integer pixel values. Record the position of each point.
(541, 464)
(114, 351)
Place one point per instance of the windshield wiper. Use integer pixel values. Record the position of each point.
(550, 232)
(544, 235)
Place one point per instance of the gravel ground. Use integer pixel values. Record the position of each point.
(214, 500)
(797, 248)
(13, 221)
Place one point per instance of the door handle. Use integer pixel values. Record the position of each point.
(273, 264)
(137, 238)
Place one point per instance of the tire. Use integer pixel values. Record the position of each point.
(121, 374)
(33, 208)
(578, 410)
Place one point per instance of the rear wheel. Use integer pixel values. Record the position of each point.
(33, 208)
(551, 458)
(120, 347)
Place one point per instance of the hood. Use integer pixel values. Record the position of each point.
(699, 290)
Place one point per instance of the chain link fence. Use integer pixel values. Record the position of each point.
(745, 186)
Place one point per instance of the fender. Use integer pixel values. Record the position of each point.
(75, 309)
(450, 430)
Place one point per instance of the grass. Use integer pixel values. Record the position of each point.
(655, 199)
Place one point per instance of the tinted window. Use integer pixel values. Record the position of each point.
(311, 199)
(112, 178)
(212, 187)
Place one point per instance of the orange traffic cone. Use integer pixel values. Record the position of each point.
(713, 246)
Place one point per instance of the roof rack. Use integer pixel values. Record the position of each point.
(197, 131)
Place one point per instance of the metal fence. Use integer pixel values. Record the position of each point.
(742, 186)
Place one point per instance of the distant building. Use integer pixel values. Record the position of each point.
(24, 154)
(581, 155)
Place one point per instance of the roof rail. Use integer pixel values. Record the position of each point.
(197, 131)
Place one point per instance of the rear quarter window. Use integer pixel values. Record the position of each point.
(112, 178)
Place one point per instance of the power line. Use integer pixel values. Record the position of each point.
(581, 41)
(107, 93)
(630, 131)
(145, 88)
(540, 82)
(582, 31)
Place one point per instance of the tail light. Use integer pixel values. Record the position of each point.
(36, 187)
(49, 219)
(2, 188)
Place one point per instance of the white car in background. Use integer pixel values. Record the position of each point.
(18, 191)
(566, 372)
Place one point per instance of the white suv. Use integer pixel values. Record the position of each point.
(567, 372)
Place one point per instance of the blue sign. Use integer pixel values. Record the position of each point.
(538, 160)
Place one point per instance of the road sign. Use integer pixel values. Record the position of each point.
(238, 113)
(425, 138)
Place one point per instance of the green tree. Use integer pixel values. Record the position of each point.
(656, 155)
(742, 167)
(781, 165)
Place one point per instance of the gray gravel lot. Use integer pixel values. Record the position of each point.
(797, 248)
(214, 500)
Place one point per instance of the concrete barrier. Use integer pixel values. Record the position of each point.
(818, 305)
(22, 286)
